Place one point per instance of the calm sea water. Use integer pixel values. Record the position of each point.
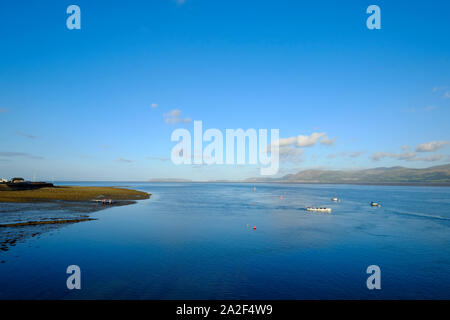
(191, 241)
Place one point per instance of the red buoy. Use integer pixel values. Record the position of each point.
(254, 227)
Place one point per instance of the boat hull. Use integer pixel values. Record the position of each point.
(325, 210)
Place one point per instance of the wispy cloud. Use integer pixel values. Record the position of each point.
(377, 156)
(154, 105)
(19, 154)
(431, 146)
(307, 141)
(439, 89)
(426, 109)
(407, 156)
(26, 135)
(123, 160)
(354, 154)
(327, 141)
(290, 154)
(302, 141)
(446, 94)
(433, 157)
(158, 158)
(174, 117)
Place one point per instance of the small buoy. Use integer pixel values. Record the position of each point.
(254, 188)
(254, 227)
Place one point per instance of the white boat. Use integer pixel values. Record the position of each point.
(319, 209)
(375, 204)
(335, 199)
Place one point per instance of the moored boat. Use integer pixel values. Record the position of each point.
(319, 209)
(375, 204)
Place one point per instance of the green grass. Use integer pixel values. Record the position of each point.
(71, 194)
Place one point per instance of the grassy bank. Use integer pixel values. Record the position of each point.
(71, 194)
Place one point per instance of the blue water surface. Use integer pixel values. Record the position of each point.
(196, 241)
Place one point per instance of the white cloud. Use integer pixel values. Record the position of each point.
(431, 146)
(430, 108)
(286, 141)
(447, 95)
(307, 141)
(154, 105)
(302, 141)
(174, 117)
(289, 148)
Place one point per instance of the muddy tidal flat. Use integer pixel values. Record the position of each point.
(29, 213)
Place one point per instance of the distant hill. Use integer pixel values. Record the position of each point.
(437, 175)
(168, 180)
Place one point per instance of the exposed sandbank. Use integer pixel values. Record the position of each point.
(72, 194)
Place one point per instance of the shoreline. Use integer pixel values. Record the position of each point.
(412, 184)
(55, 207)
(406, 184)
(35, 223)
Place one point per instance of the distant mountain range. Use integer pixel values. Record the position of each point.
(168, 180)
(437, 175)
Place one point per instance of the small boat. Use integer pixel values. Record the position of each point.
(375, 204)
(104, 201)
(335, 199)
(319, 209)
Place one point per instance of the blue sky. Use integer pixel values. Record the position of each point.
(77, 104)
